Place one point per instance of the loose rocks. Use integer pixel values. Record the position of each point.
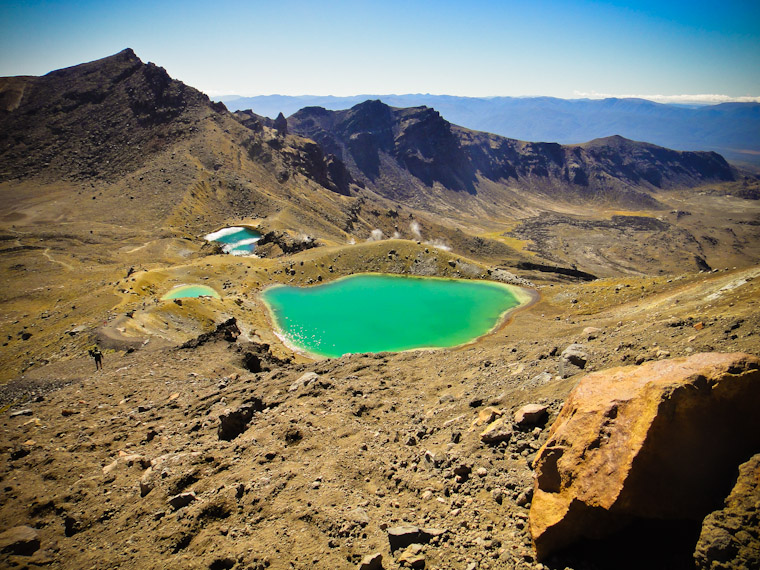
(496, 432)
(303, 381)
(572, 360)
(371, 562)
(531, 415)
(412, 557)
(182, 500)
(402, 536)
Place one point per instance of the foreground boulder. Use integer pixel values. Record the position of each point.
(531, 415)
(658, 441)
(572, 360)
(402, 536)
(22, 540)
(730, 537)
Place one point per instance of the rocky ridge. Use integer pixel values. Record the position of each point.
(397, 151)
(95, 120)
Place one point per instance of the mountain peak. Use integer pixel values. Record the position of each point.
(117, 102)
(126, 58)
(370, 104)
(613, 141)
(127, 52)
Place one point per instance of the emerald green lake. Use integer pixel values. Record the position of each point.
(185, 291)
(377, 313)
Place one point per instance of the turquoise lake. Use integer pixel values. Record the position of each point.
(377, 313)
(236, 240)
(189, 291)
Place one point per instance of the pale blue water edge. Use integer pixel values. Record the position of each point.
(235, 240)
(191, 291)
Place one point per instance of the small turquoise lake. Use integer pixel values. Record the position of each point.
(378, 313)
(190, 291)
(235, 240)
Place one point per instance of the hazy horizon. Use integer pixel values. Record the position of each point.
(677, 51)
(689, 100)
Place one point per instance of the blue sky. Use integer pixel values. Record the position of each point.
(477, 48)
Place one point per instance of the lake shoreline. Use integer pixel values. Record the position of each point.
(523, 298)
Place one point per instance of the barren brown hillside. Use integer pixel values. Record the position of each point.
(206, 443)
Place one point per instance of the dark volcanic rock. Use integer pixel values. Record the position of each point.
(570, 272)
(258, 358)
(234, 422)
(431, 152)
(97, 119)
(227, 331)
(416, 146)
(297, 154)
(418, 140)
(281, 124)
(253, 121)
(285, 243)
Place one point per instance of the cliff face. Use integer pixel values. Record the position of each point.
(418, 141)
(417, 147)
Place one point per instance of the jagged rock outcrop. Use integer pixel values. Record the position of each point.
(257, 357)
(730, 537)
(294, 153)
(275, 243)
(397, 150)
(568, 271)
(107, 118)
(227, 331)
(658, 441)
(234, 422)
(253, 121)
(281, 125)
(378, 141)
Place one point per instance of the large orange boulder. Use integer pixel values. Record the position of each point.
(658, 441)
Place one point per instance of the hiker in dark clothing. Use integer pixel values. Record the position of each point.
(98, 356)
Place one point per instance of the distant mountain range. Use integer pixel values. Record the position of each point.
(732, 129)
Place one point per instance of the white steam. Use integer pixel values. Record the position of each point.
(415, 228)
(375, 235)
(439, 243)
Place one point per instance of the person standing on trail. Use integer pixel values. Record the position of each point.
(98, 356)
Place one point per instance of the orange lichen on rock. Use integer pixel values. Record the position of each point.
(658, 441)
